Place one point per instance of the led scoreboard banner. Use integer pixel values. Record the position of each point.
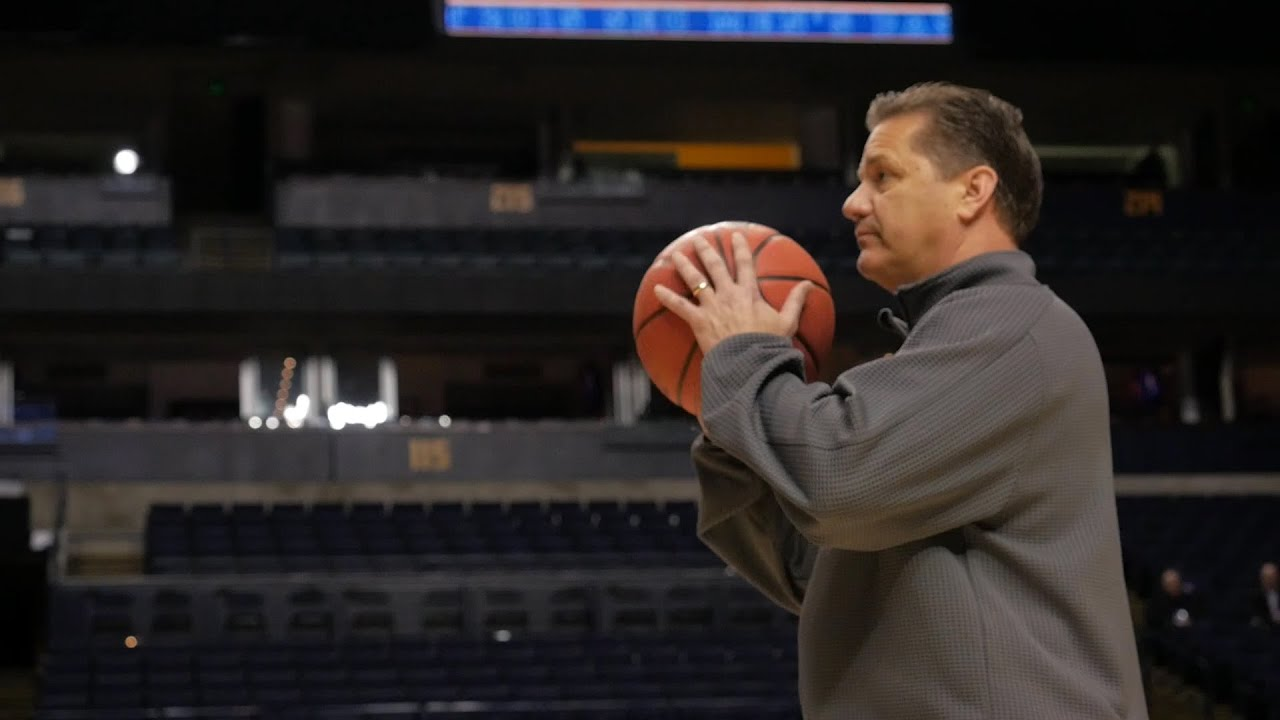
(722, 20)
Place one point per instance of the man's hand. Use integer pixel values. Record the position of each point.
(722, 306)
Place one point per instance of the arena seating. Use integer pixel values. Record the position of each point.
(371, 537)
(1152, 251)
(449, 250)
(1211, 449)
(1057, 249)
(635, 677)
(89, 246)
(1085, 230)
(1217, 543)
(620, 644)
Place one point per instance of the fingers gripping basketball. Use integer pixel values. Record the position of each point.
(664, 342)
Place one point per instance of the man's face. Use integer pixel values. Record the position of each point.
(906, 215)
(1269, 576)
(1172, 582)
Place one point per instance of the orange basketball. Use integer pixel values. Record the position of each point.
(665, 343)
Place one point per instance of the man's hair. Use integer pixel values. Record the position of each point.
(968, 127)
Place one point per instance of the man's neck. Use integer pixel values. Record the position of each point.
(980, 241)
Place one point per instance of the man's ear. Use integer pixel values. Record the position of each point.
(977, 190)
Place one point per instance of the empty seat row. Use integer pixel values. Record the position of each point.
(518, 678)
(477, 249)
(406, 537)
(1072, 249)
(442, 514)
(122, 247)
(625, 603)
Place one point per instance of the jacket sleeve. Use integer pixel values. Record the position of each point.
(895, 450)
(741, 521)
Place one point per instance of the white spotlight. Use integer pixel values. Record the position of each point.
(295, 415)
(126, 161)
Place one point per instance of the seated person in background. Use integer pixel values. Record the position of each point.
(1265, 605)
(1173, 605)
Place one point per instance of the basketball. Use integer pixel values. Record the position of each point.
(665, 343)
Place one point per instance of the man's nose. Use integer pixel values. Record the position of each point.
(855, 206)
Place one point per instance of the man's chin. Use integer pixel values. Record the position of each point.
(872, 270)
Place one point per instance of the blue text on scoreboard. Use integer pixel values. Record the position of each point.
(837, 22)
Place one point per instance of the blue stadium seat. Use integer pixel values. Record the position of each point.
(20, 247)
(160, 248)
(367, 537)
(122, 248)
(405, 248)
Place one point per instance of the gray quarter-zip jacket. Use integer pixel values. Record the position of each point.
(943, 520)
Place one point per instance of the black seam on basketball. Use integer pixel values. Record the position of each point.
(688, 360)
(817, 366)
(653, 316)
(756, 253)
(797, 278)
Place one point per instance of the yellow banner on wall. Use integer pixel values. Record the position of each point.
(701, 155)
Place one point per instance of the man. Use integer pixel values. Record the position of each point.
(943, 520)
(1172, 606)
(1266, 601)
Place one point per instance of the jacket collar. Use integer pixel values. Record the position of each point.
(1007, 267)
